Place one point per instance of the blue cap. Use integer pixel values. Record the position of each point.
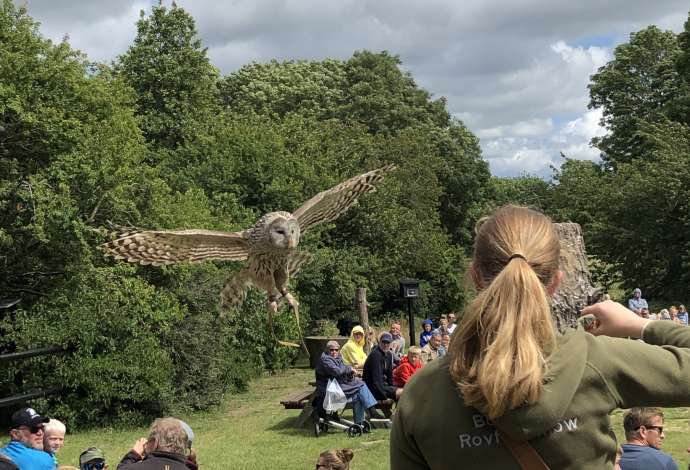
(386, 338)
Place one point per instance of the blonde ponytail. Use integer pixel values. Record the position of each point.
(498, 352)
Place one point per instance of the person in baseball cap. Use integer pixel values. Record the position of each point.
(92, 458)
(378, 370)
(25, 448)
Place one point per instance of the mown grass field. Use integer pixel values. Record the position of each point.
(253, 431)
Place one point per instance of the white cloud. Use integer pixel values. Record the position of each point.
(532, 127)
(512, 71)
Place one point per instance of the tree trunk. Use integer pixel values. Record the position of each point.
(575, 287)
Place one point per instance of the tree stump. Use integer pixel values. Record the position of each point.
(575, 287)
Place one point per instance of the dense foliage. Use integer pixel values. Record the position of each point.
(161, 140)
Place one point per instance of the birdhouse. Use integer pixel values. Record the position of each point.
(409, 288)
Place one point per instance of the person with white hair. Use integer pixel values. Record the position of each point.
(53, 437)
(165, 448)
(637, 303)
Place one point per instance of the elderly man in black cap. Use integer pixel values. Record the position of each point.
(25, 449)
(378, 370)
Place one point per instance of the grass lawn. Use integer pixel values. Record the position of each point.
(253, 431)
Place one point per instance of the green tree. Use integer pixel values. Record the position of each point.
(174, 82)
(525, 190)
(637, 86)
(648, 213)
(679, 109)
(74, 159)
(369, 89)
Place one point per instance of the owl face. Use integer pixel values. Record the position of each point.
(284, 234)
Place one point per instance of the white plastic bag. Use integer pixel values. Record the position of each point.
(335, 399)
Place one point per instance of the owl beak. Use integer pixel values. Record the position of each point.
(292, 242)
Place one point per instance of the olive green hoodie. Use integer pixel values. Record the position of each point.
(568, 426)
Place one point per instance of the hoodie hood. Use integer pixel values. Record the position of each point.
(566, 368)
(357, 329)
(427, 322)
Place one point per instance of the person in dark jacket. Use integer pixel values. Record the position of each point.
(163, 450)
(331, 366)
(378, 370)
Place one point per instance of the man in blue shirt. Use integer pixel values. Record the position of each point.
(683, 314)
(637, 303)
(26, 447)
(644, 432)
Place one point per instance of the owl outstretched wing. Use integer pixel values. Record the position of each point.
(330, 204)
(168, 247)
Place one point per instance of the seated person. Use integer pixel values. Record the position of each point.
(353, 351)
(637, 303)
(164, 449)
(432, 349)
(427, 326)
(408, 366)
(644, 433)
(331, 366)
(398, 344)
(683, 314)
(378, 370)
(443, 325)
(92, 458)
(25, 448)
(53, 437)
(451, 323)
(445, 342)
(7, 464)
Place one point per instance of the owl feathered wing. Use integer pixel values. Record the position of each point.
(168, 247)
(330, 204)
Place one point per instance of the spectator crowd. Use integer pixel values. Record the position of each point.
(381, 374)
(638, 304)
(36, 440)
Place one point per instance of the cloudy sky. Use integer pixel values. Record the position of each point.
(514, 71)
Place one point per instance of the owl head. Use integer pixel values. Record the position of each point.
(283, 233)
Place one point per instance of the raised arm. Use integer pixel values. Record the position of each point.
(653, 373)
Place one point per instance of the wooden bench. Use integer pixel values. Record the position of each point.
(298, 400)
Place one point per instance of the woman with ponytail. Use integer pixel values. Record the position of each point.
(335, 459)
(512, 392)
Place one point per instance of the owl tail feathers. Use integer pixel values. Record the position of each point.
(233, 294)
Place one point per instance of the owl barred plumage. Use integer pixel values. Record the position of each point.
(269, 246)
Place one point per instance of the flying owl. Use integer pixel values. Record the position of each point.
(270, 246)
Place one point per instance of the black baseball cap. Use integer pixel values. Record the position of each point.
(27, 417)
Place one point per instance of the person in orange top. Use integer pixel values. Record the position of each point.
(408, 366)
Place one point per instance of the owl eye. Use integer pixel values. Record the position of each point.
(280, 231)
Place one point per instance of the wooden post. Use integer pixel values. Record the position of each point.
(361, 306)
